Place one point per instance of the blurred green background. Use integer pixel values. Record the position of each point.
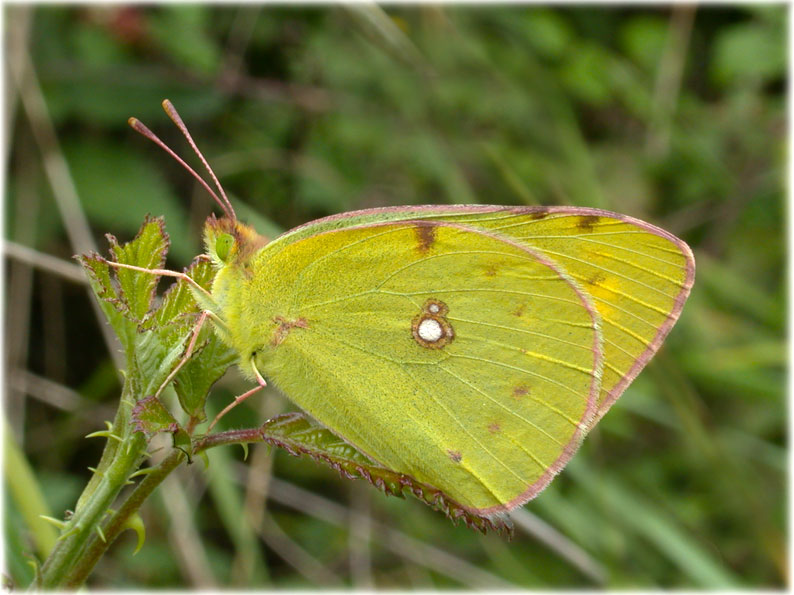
(673, 115)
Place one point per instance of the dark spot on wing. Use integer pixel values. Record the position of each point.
(494, 427)
(425, 236)
(520, 310)
(539, 213)
(490, 270)
(455, 455)
(521, 390)
(284, 328)
(597, 279)
(588, 222)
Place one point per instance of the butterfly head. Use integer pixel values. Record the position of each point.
(229, 242)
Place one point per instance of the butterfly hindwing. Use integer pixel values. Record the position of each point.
(453, 354)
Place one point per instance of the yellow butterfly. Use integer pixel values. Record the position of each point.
(469, 347)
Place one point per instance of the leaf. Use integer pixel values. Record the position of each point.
(26, 491)
(146, 250)
(175, 320)
(155, 340)
(18, 556)
(298, 434)
(194, 380)
(156, 358)
(115, 310)
(178, 299)
(167, 330)
(126, 296)
(150, 417)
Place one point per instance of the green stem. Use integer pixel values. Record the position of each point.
(246, 436)
(108, 455)
(118, 461)
(81, 544)
(97, 547)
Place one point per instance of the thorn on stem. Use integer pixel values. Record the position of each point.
(135, 523)
(105, 434)
(53, 521)
(73, 531)
(143, 471)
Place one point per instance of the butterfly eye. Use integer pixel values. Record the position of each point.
(223, 245)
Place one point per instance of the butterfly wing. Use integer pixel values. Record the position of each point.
(460, 357)
(638, 275)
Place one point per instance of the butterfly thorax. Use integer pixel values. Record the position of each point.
(232, 247)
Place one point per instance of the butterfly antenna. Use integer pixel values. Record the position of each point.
(141, 128)
(175, 117)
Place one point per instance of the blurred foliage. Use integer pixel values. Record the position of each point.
(672, 115)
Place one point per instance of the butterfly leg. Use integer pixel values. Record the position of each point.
(261, 384)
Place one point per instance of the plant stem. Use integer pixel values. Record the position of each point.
(97, 547)
(119, 460)
(249, 435)
(85, 539)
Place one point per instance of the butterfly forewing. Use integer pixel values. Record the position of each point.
(464, 359)
(637, 275)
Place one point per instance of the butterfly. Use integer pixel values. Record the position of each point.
(471, 348)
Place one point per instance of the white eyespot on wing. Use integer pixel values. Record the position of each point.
(430, 330)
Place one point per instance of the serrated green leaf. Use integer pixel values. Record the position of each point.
(146, 250)
(115, 310)
(166, 331)
(151, 417)
(155, 358)
(175, 320)
(155, 340)
(298, 434)
(178, 300)
(178, 312)
(195, 379)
